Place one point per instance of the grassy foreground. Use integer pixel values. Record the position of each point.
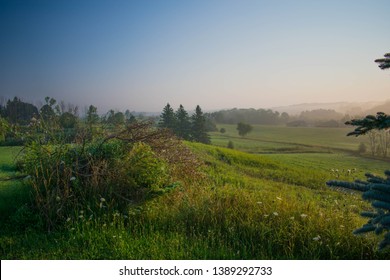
(247, 207)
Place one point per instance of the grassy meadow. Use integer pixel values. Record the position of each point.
(265, 199)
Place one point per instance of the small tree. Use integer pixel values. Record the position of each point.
(92, 116)
(222, 130)
(168, 118)
(244, 129)
(183, 124)
(198, 131)
(230, 144)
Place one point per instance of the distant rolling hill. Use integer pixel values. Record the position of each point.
(351, 108)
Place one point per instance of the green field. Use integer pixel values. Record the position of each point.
(271, 203)
(281, 139)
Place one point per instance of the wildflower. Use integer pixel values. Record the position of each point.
(265, 215)
(72, 178)
(259, 202)
(102, 199)
(68, 220)
(317, 238)
(303, 215)
(81, 212)
(275, 213)
(58, 198)
(292, 218)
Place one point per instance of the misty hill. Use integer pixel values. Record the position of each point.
(351, 108)
(385, 107)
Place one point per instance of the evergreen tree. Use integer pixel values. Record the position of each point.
(168, 118)
(375, 189)
(199, 133)
(183, 124)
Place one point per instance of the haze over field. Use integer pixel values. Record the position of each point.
(139, 55)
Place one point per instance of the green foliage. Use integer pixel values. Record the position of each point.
(199, 131)
(230, 145)
(222, 130)
(144, 168)
(183, 124)
(380, 121)
(68, 121)
(376, 190)
(92, 116)
(4, 127)
(243, 128)
(168, 118)
(19, 112)
(384, 63)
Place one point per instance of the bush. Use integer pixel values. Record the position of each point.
(117, 169)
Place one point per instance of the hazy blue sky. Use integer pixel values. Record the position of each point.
(218, 54)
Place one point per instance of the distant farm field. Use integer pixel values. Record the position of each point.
(282, 139)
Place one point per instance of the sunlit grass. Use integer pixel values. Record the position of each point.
(248, 207)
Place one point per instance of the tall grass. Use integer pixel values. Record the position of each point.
(243, 208)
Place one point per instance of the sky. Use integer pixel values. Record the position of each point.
(142, 54)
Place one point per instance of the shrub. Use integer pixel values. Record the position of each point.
(117, 169)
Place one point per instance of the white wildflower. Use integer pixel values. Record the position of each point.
(72, 178)
(102, 199)
(317, 238)
(68, 220)
(275, 213)
(303, 215)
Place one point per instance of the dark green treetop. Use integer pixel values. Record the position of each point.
(199, 130)
(183, 124)
(168, 118)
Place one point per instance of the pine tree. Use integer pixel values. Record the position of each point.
(183, 124)
(168, 118)
(198, 132)
(375, 189)
(384, 63)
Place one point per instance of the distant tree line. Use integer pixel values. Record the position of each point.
(250, 116)
(319, 117)
(192, 128)
(18, 118)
